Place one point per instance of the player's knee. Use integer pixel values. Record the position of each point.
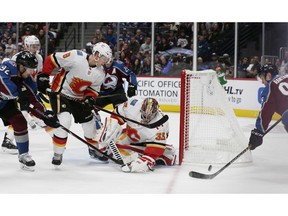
(65, 119)
(18, 122)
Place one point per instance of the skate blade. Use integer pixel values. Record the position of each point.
(10, 151)
(27, 168)
(57, 167)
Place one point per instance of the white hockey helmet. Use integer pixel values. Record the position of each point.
(104, 50)
(31, 40)
(149, 109)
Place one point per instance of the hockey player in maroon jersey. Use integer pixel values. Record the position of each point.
(16, 82)
(274, 100)
(115, 71)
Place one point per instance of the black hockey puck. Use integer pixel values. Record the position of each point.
(210, 168)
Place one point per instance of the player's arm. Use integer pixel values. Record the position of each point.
(53, 61)
(130, 77)
(6, 85)
(43, 78)
(263, 119)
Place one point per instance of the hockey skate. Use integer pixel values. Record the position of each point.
(26, 162)
(8, 146)
(97, 156)
(57, 159)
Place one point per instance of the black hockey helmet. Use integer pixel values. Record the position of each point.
(269, 68)
(27, 59)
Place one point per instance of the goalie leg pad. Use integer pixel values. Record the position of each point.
(110, 131)
(154, 150)
(169, 156)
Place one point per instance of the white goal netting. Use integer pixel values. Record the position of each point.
(209, 131)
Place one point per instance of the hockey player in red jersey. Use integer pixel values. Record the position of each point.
(149, 143)
(74, 88)
(274, 100)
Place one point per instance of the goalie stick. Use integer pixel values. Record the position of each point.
(49, 91)
(148, 142)
(117, 161)
(126, 160)
(211, 176)
(152, 125)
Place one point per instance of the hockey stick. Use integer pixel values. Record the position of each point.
(120, 162)
(152, 125)
(110, 95)
(148, 142)
(211, 176)
(43, 98)
(3, 96)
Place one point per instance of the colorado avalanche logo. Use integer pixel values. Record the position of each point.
(78, 85)
(110, 82)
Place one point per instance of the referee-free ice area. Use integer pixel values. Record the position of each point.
(81, 174)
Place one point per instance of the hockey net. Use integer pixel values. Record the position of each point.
(209, 130)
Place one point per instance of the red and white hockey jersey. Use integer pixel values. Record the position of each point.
(137, 133)
(76, 79)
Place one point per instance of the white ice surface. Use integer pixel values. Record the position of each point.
(79, 175)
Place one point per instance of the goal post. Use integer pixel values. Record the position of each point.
(209, 130)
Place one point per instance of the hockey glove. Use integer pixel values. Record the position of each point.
(131, 90)
(23, 99)
(286, 128)
(256, 139)
(43, 82)
(285, 120)
(89, 101)
(51, 120)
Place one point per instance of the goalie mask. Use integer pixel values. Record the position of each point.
(149, 109)
(103, 50)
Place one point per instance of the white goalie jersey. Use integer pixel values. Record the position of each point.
(136, 133)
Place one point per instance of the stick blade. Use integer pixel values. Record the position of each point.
(198, 175)
(159, 122)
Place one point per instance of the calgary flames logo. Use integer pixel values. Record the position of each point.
(78, 85)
